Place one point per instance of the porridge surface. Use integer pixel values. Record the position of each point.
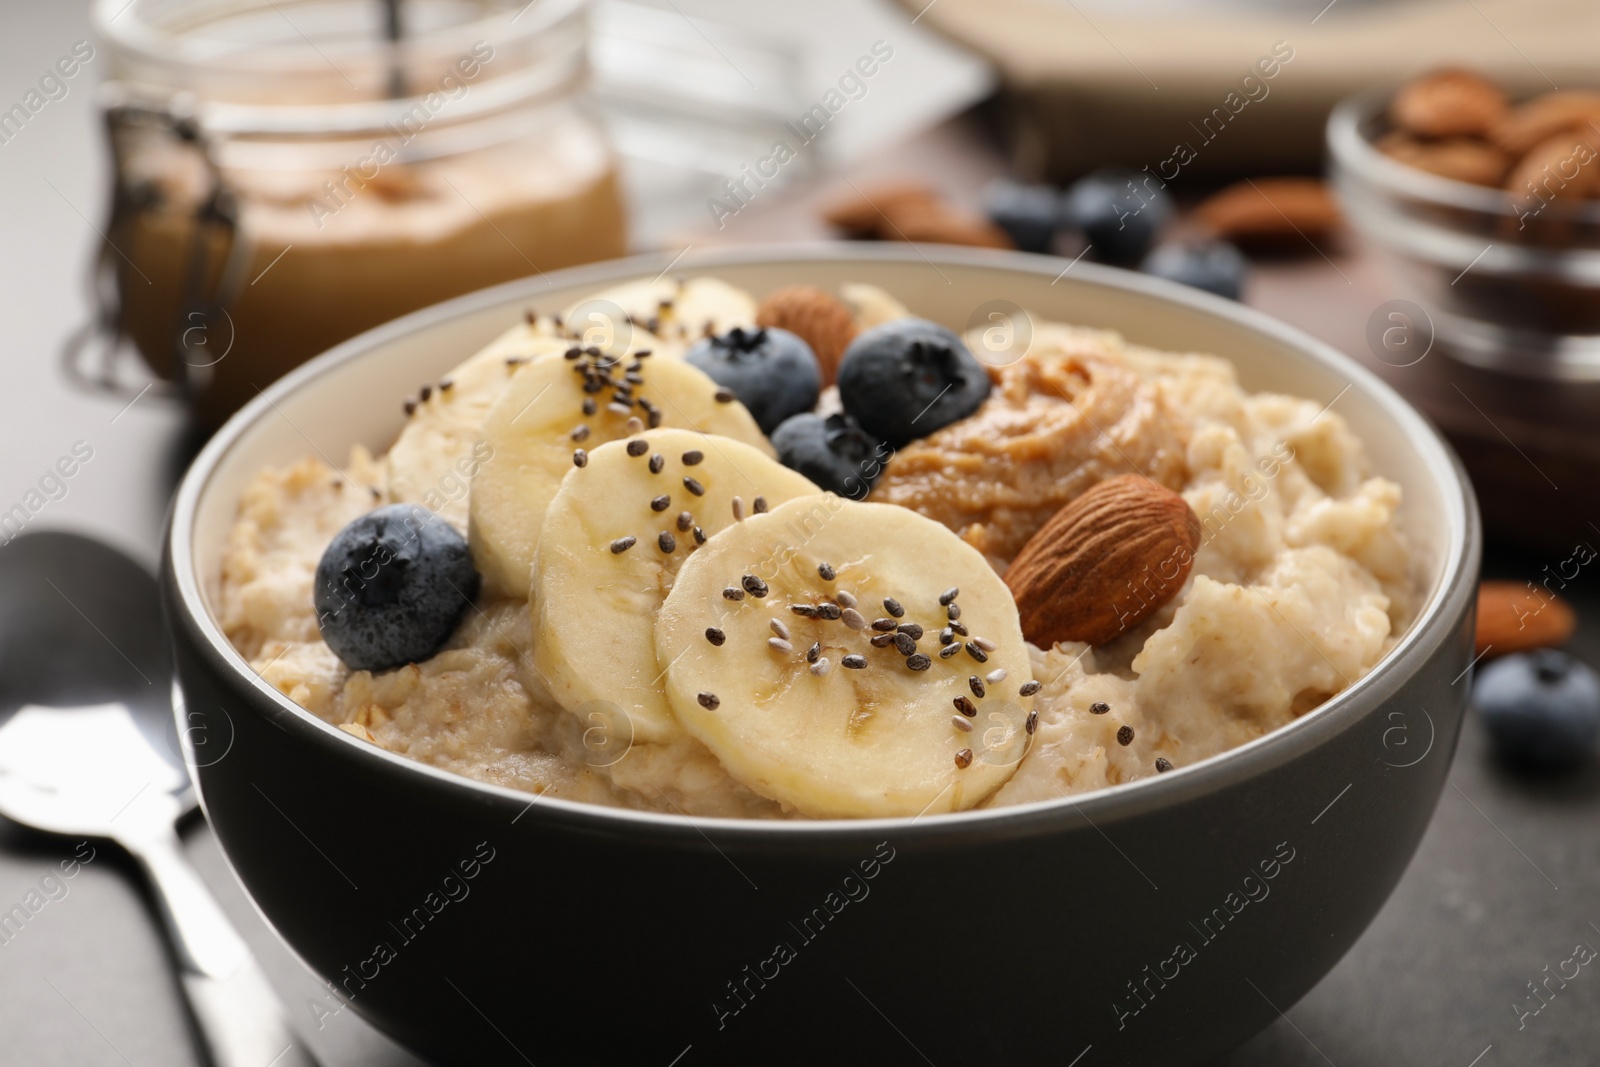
(1300, 585)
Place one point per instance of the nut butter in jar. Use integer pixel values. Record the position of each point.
(289, 174)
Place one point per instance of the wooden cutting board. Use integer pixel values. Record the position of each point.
(1090, 82)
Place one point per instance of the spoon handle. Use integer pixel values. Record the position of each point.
(239, 1016)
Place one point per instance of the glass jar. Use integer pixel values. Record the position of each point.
(289, 174)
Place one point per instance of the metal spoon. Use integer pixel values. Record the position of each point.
(85, 669)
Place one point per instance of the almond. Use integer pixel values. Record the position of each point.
(1449, 103)
(1516, 617)
(1271, 213)
(937, 223)
(910, 211)
(815, 317)
(1545, 116)
(1460, 158)
(1104, 563)
(1562, 167)
(861, 212)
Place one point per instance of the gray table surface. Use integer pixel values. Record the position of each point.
(1503, 884)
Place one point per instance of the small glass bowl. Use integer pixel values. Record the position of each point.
(1512, 285)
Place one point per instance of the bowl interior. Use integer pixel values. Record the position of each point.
(352, 395)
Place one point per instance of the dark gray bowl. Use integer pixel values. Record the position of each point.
(1164, 920)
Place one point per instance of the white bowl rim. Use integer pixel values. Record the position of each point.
(1432, 627)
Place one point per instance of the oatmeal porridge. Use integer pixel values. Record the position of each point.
(690, 573)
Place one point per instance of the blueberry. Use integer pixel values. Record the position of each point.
(391, 587)
(1119, 211)
(1031, 214)
(1540, 707)
(771, 371)
(909, 377)
(1215, 266)
(833, 451)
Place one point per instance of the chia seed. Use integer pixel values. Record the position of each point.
(661, 503)
(814, 652)
(685, 521)
(964, 758)
(709, 701)
(622, 544)
(911, 630)
(580, 458)
(1032, 724)
(778, 644)
(826, 571)
(918, 662)
(953, 611)
(715, 636)
(1028, 688)
(904, 643)
(666, 542)
(948, 595)
(961, 724)
(754, 586)
(1162, 766)
(949, 650)
(966, 707)
(1125, 735)
(892, 606)
(883, 624)
(976, 685)
(1099, 707)
(732, 593)
(638, 448)
(657, 461)
(693, 457)
(694, 487)
(852, 618)
(829, 610)
(854, 662)
(976, 653)
(759, 505)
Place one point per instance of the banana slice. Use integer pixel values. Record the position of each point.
(594, 602)
(849, 729)
(870, 305)
(680, 312)
(433, 461)
(546, 415)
